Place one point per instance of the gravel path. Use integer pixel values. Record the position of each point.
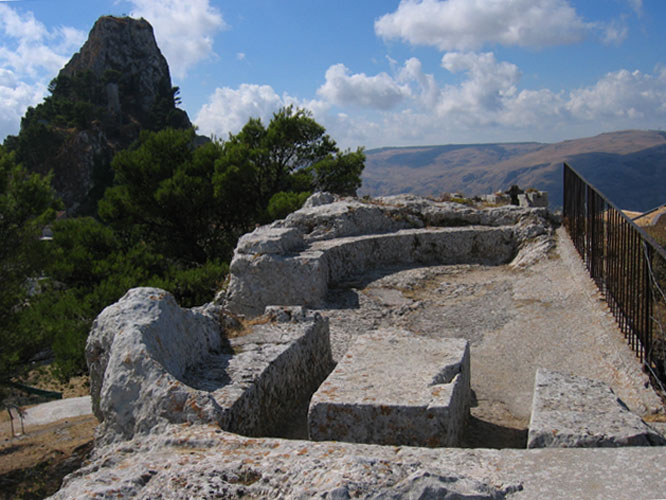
(549, 315)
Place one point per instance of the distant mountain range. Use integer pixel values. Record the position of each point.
(629, 167)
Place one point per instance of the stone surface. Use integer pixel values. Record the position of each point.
(152, 363)
(394, 387)
(533, 199)
(204, 462)
(572, 411)
(127, 46)
(294, 261)
(516, 320)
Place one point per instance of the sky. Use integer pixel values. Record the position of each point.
(375, 72)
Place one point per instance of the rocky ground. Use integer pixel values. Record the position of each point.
(32, 465)
(548, 315)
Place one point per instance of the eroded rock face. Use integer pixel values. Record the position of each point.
(153, 363)
(293, 261)
(127, 46)
(571, 411)
(138, 352)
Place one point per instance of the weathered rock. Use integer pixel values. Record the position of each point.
(319, 198)
(393, 387)
(127, 46)
(152, 363)
(533, 199)
(572, 411)
(199, 462)
(203, 462)
(293, 261)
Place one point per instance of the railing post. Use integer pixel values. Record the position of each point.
(620, 258)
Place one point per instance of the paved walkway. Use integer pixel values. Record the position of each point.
(549, 315)
(52, 411)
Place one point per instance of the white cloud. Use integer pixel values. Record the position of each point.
(375, 92)
(483, 93)
(184, 30)
(488, 105)
(228, 110)
(30, 57)
(623, 96)
(24, 27)
(471, 24)
(32, 50)
(636, 5)
(15, 97)
(428, 92)
(614, 32)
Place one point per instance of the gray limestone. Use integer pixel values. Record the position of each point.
(153, 363)
(533, 199)
(295, 261)
(204, 462)
(571, 411)
(394, 387)
(170, 383)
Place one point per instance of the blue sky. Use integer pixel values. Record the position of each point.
(376, 72)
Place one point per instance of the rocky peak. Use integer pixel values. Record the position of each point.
(117, 85)
(122, 52)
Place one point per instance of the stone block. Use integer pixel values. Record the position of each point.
(570, 411)
(533, 199)
(153, 363)
(395, 388)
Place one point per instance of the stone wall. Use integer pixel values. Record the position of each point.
(293, 261)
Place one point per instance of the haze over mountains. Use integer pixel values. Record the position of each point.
(627, 166)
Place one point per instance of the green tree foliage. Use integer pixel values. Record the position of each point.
(283, 203)
(27, 204)
(92, 266)
(193, 203)
(78, 103)
(173, 216)
(293, 153)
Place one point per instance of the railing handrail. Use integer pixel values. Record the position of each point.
(621, 258)
(649, 239)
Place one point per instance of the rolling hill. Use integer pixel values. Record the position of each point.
(627, 166)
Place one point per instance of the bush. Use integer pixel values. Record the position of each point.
(282, 204)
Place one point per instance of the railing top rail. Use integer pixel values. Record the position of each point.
(652, 210)
(656, 246)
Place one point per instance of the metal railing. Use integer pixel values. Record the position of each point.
(627, 265)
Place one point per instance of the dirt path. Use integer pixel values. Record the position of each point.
(549, 315)
(58, 437)
(33, 465)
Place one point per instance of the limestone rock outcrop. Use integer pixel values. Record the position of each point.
(570, 411)
(153, 363)
(395, 388)
(204, 462)
(123, 53)
(330, 240)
